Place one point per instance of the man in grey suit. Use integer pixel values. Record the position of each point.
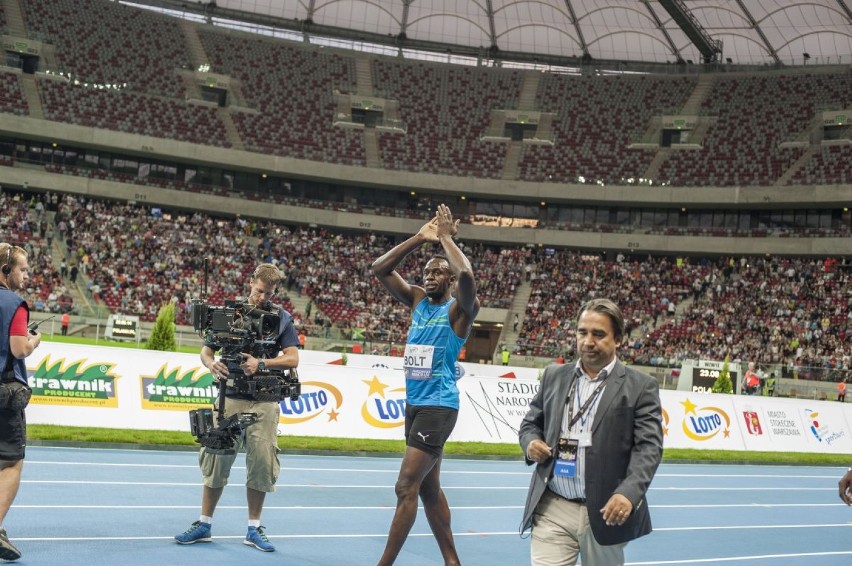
(594, 430)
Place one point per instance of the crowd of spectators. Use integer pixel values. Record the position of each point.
(24, 223)
(647, 289)
(769, 310)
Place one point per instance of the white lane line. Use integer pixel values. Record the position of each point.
(269, 507)
(758, 527)
(741, 558)
(240, 537)
(283, 468)
(726, 488)
(444, 487)
(281, 485)
(395, 470)
(385, 507)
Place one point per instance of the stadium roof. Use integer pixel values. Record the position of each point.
(742, 32)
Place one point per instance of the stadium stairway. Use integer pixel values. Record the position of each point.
(299, 302)
(14, 19)
(519, 305)
(30, 91)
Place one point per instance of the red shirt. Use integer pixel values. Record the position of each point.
(751, 379)
(19, 323)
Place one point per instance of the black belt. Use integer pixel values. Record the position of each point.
(580, 500)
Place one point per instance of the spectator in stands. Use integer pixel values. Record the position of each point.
(576, 488)
(17, 344)
(515, 323)
(751, 381)
(841, 390)
(261, 438)
(440, 324)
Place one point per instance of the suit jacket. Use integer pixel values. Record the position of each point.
(627, 445)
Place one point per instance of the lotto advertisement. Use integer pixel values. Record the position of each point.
(365, 398)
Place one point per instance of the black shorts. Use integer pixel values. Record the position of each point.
(13, 434)
(428, 428)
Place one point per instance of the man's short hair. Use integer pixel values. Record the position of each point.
(610, 309)
(267, 273)
(439, 257)
(9, 255)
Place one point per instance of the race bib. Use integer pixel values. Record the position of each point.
(417, 363)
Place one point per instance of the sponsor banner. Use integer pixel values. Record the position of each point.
(698, 420)
(743, 422)
(173, 389)
(83, 382)
(125, 388)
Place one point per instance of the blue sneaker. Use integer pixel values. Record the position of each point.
(257, 538)
(197, 532)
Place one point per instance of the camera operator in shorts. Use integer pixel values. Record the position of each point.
(261, 437)
(17, 342)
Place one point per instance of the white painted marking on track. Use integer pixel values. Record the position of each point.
(270, 507)
(741, 558)
(282, 485)
(394, 470)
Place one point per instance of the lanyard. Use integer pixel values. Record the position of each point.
(585, 407)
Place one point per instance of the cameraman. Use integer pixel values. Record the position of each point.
(261, 438)
(16, 343)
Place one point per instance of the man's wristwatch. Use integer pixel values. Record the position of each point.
(261, 365)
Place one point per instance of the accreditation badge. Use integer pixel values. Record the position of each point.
(566, 458)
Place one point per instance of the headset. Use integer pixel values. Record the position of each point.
(7, 265)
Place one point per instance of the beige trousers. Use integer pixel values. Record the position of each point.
(561, 533)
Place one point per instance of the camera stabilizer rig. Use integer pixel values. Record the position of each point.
(239, 327)
(220, 438)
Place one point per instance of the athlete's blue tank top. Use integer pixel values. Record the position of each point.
(431, 352)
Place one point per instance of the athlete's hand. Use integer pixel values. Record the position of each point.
(445, 225)
(429, 231)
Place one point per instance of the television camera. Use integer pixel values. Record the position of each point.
(239, 327)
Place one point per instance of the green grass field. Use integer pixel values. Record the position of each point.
(85, 436)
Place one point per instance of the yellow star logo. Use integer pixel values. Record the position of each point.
(665, 431)
(376, 386)
(332, 415)
(688, 407)
(727, 432)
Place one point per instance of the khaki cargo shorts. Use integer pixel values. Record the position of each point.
(261, 446)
